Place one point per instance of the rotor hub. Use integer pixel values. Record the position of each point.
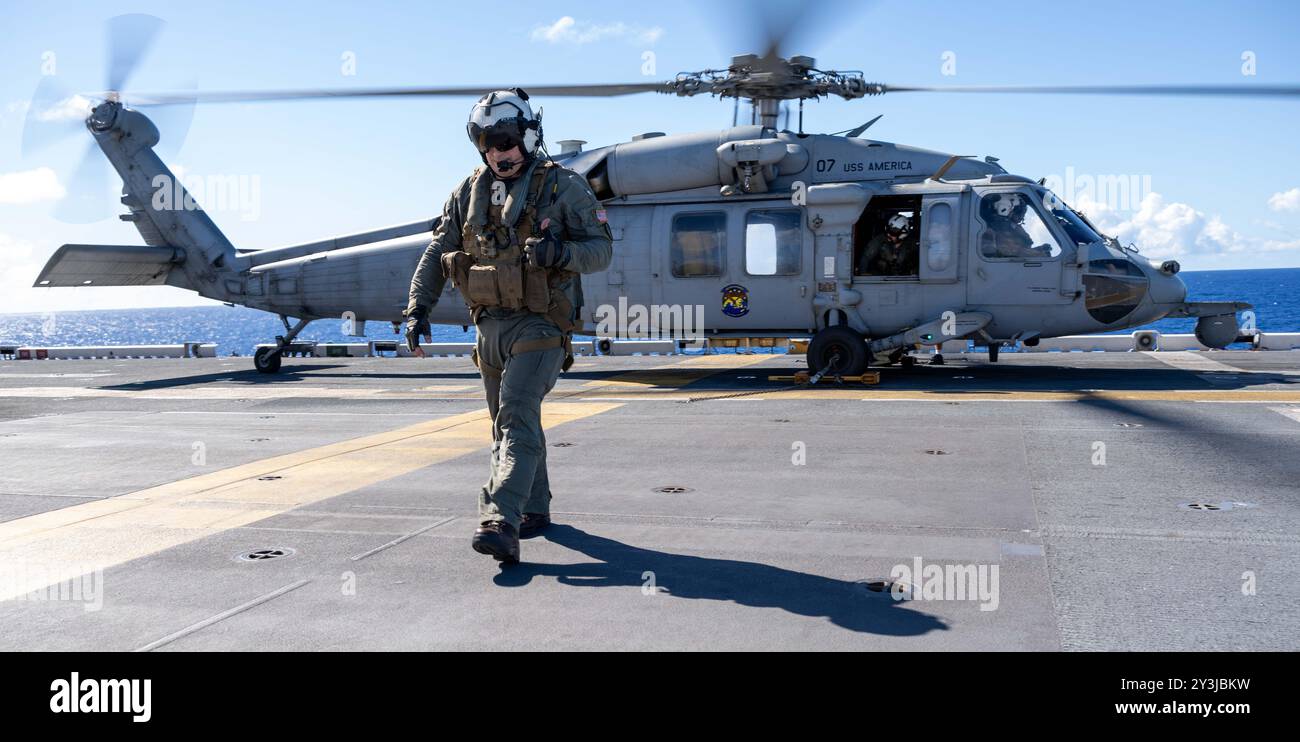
(774, 78)
(103, 116)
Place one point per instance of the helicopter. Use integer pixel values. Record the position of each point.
(770, 232)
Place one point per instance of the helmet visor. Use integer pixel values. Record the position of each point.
(501, 136)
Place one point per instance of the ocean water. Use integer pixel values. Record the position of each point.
(237, 330)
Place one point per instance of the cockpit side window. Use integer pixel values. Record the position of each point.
(1014, 230)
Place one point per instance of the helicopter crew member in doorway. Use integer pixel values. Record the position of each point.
(892, 252)
(514, 238)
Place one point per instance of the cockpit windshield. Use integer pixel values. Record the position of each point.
(1072, 224)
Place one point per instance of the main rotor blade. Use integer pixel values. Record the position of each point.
(248, 96)
(173, 121)
(1245, 91)
(785, 27)
(53, 114)
(129, 37)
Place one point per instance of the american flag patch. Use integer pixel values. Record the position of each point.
(600, 216)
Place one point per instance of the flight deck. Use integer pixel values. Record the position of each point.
(1092, 501)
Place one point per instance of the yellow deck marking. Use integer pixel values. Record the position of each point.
(59, 545)
(679, 374)
(669, 376)
(276, 391)
(1190, 395)
(192, 392)
(667, 383)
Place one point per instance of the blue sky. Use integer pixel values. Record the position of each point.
(1213, 166)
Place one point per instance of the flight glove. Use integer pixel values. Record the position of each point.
(417, 325)
(546, 250)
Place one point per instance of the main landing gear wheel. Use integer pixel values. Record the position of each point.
(267, 360)
(839, 351)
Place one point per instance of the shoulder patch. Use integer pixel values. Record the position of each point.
(601, 216)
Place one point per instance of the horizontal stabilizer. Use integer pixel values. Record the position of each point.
(109, 265)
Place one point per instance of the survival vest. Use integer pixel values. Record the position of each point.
(490, 269)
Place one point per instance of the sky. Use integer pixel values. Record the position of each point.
(1210, 181)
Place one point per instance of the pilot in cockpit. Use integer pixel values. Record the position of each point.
(1006, 236)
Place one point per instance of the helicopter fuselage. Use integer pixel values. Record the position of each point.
(745, 231)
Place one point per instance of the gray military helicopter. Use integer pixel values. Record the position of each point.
(870, 248)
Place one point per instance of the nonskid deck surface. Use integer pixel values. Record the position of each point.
(1089, 501)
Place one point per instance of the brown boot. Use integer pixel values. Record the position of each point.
(533, 524)
(498, 539)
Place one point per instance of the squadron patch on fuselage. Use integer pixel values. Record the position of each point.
(735, 300)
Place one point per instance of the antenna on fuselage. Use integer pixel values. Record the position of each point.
(857, 130)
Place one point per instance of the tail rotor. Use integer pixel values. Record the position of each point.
(55, 114)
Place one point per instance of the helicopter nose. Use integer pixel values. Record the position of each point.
(1166, 286)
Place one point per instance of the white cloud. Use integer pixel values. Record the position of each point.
(1285, 201)
(30, 186)
(1169, 229)
(74, 108)
(566, 30)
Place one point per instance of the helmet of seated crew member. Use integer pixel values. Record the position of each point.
(1006, 205)
(899, 226)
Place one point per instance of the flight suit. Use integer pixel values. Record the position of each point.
(520, 350)
(884, 258)
(1008, 239)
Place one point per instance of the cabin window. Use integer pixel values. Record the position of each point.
(887, 238)
(773, 242)
(699, 241)
(1013, 229)
(939, 250)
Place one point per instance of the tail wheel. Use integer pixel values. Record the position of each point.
(839, 351)
(267, 360)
